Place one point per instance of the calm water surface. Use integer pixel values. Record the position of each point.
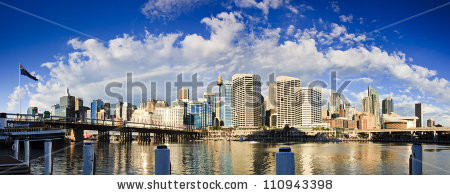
(247, 158)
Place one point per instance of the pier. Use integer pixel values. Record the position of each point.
(75, 127)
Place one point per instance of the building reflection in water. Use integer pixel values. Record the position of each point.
(244, 158)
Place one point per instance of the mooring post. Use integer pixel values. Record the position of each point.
(162, 160)
(26, 145)
(88, 159)
(285, 162)
(48, 167)
(16, 149)
(416, 160)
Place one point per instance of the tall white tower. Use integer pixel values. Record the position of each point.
(287, 107)
(246, 100)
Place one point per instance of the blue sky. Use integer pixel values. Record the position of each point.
(157, 39)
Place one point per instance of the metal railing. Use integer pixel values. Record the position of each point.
(103, 122)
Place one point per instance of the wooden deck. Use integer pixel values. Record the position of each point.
(12, 166)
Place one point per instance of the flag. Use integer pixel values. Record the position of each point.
(26, 73)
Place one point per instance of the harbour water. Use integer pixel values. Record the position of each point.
(246, 158)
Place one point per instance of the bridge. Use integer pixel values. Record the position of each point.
(424, 134)
(76, 126)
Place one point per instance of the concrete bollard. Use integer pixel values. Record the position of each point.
(48, 164)
(88, 158)
(416, 159)
(285, 162)
(162, 160)
(26, 145)
(16, 149)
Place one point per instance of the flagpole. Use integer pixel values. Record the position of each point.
(20, 95)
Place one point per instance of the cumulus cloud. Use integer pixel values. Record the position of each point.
(14, 97)
(335, 7)
(266, 5)
(345, 18)
(169, 9)
(363, 79)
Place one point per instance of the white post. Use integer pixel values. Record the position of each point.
(416, 159)
(20, 94)
(26, 144)
(285, 162)
(88, 158)
(162, 160)
(16, 149)
(48, 169)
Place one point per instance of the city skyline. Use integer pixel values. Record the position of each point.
(215, 44)
(296, 106)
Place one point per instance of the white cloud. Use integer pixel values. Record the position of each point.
(345, 18)
(169, 9)
(335, 6)
(290, 30)
(14, 98)
(363, 79)
(266, 5)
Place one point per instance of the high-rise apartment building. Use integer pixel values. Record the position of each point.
(337, 102)
(419, 114)
(66, 106)
(287, 107)
(366, 104)
(309, 100)
(387, 106)
(78, 104)
(127, 111)
(375, 104)
(247, 100)
(211, 99)
(96, 107)
(183, 93)
(227, 111)
(199, 113)
(272, 97)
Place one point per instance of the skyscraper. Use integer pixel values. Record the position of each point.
(78, 104)
(419, 114)
(183, 93)
(127, 110)
(272, 97)
(336, 102)
(199, 113)
(96, 106)
(66, 105)
(227, 111)
(33, 111)
(211, 99)
(310, 101)
(387, 106)
(246, 100)
(365, 104)
(375, 104)
(286, 106)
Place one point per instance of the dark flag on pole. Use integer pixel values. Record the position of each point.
(26, 73)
